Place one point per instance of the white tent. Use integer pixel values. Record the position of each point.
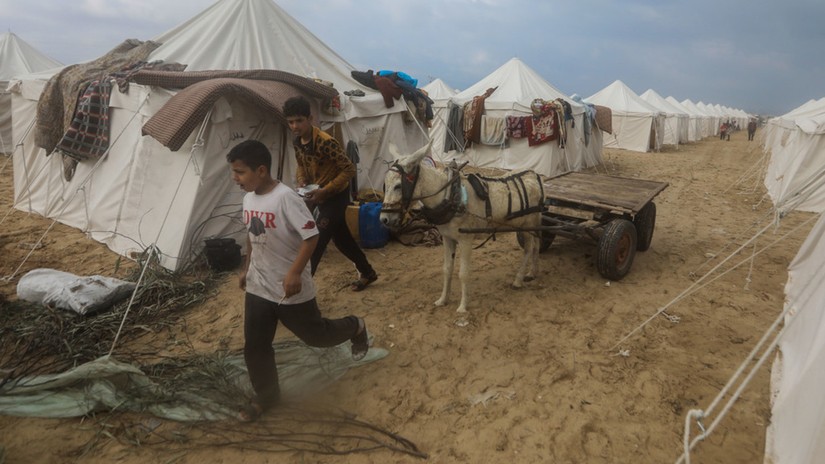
(637, 125)
(705, 121)
(517, 85)
(439, 91)
(676, 120)
(694, 127)
(714, 120)
(17, 58)
(143, 193)
(796, 170)
(796, 180)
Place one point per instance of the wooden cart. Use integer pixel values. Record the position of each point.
(617, 213)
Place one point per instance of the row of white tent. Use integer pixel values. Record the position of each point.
(795, 180)
(143, 193)
(641, 123)
(648, 121)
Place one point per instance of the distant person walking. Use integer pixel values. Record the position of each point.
(751, 129)
(723, 131)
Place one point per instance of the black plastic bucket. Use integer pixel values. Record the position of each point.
(222, 254)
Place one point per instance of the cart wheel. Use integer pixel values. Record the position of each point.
(616, 249)
(546, 237)
(644, 221)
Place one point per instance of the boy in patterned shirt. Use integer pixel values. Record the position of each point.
(322, 161)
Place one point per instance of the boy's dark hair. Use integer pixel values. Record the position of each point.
(251, 153)
(297, 106)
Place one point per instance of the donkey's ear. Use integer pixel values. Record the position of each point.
(394, 151)
(420, 153)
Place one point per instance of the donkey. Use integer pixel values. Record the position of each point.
(453, 201)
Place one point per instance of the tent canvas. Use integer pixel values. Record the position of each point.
(796, 181)
(439, 91)
(694, 127)
(714, 120)
(143, 193)
(517, 85)
(637, 125)
(796, 143)
(676, 120)
(17, 58)
(706, 122)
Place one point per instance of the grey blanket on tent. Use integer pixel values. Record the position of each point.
(106, 384)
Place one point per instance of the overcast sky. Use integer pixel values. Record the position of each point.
(760, 56)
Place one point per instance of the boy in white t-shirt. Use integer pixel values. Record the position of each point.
(279, 287)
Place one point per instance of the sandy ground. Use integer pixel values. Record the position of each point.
(555, 388)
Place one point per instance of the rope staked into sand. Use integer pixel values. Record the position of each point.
(699, 414)
(199, 142)
(695, 286)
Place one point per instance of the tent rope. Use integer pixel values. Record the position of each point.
(26, 175)
(695, 286)
(66, 203)
(152, 252)
(199, 143)
(18, 144)
(153, 249)
(699, 414)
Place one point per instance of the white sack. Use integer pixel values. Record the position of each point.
(67, 291)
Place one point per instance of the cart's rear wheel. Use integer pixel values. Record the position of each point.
(645, 221)
(546, 237)
(616, 249)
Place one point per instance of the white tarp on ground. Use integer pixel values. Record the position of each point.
(637, 125)
(517, 85)
(106, 384)
(676, 120)
(143, 193)
(17, 58)
(796, 180)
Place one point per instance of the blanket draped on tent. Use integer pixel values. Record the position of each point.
(56, 107)
(88, 134)
(267, 89)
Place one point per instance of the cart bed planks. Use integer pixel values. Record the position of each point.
(601, 192)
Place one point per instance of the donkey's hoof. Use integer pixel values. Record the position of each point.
(516, 286)
(440, 302)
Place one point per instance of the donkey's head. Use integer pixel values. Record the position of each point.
(400, 185)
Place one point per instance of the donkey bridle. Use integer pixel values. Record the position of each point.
(441, 213)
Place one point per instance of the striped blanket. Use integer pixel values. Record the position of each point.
(266, 89)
